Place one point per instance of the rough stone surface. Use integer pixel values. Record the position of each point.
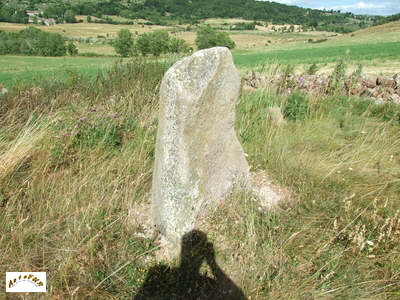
(395, 99)
(396, 78)
(198, 159)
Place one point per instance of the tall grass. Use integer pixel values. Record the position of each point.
(65, 206)
(339, 234)
(77, 175)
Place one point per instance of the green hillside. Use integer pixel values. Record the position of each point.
(164, 12)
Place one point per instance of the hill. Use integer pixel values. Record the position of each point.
(388, 19)
(163, 12)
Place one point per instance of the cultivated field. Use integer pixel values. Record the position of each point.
(27, 69)
(375, 48)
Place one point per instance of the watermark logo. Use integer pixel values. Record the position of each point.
(26, 282)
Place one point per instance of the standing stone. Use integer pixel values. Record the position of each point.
(198, 158)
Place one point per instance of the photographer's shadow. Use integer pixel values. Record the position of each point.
(186, 282)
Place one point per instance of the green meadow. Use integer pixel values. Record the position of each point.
(320, 54)
(27, 69)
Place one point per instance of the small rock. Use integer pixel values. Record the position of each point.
(368, 82)
(3, 91)
(396, 79)
(379, 101)
(385, 81)
(395, 99)
(275, 114)
(372, 92)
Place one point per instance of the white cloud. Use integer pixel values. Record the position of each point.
(363, 6)
(357, 7)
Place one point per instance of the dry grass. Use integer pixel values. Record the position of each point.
(22, 147)
(103, 49)
(84, 30)
(67, 202)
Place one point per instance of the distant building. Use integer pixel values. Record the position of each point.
(49, 22)
(33, 15)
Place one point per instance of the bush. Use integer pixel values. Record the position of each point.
(312, 69)
(123, 44)
(159, 42)
(207, 37)
(244, 26)
(296, 107)
(71, 49)
(177, 45)
(32, 41)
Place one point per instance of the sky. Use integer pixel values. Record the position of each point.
(370, 7)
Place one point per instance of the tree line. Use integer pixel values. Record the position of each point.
(159, 42)
(33, 41)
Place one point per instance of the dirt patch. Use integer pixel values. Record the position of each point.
(268, 193)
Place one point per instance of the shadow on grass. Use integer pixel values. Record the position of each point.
(185, 281)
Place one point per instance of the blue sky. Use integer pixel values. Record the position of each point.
(374, 7)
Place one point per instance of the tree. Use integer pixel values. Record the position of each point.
(69, 16)
(177, 45)
(159, 42)
(32, 41)
(123, 44)
(143, 44)
(156, 43)
(207, 37)
(51, 44)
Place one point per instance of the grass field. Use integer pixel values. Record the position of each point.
(329, 53)
(375, 48)
(26, 69)
(370, 47)
(76, 161)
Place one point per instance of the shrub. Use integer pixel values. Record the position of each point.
(123, 44)
(159, 42)
(32, 41)
(71, 49)
(312, 69)
(296, 107)
(177, 45)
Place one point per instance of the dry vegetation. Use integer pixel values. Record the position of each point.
(76, 160)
